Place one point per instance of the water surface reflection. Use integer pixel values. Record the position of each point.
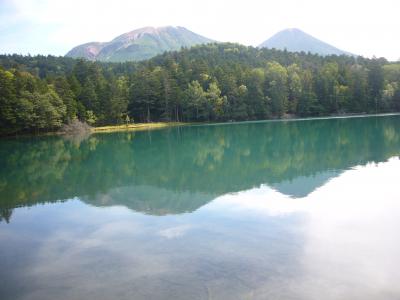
(274, 218)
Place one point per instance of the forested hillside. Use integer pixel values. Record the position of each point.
(215, 82)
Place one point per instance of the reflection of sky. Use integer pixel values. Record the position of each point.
(339, 242)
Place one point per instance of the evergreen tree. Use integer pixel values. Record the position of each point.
(276, 81)
(8, 101)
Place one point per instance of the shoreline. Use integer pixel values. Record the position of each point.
(344, 116)
(162, 125)
(136, 127)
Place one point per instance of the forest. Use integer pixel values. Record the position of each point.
(207, 83)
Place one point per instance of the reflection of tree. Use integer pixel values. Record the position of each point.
(198, 160)
(151, 200)
(77, 138)
(5, 213)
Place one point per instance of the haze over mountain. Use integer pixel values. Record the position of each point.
(139, 44)
(296, 40)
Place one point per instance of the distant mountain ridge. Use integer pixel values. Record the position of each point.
(139, 44)
(147, 42)
(296, 40)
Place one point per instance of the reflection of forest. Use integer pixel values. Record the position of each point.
(180, 169)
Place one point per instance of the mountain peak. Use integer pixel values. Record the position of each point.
(296, 40)
(139, 44)
(137, 33)
(293, 30)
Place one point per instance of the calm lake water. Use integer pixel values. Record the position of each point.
(266, 210)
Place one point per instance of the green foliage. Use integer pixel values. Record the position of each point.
(215, 82)
(196, 101)
(375, 85)
(90, 117)
(295, 87)
(217, 102)
(8, 101)
(64, 90)
(276, 87)
(28, 104)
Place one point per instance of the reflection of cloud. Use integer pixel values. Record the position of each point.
(174, 232)
(354, 191)
(262, 200)
(93, 258)
(351, 240)
(252, 245)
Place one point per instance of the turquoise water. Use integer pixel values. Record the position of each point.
(266, 210)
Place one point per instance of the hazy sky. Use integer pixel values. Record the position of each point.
(55, 26)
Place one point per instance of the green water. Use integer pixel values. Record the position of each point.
(265, 210)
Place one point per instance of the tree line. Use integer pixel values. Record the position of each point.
(214, 82)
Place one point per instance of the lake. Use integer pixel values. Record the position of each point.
(306, 209)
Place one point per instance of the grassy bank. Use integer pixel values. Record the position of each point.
(138, 126)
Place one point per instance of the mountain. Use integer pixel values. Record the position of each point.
(295, 40)
(139, 44)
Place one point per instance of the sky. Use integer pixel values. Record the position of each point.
(368, 28)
